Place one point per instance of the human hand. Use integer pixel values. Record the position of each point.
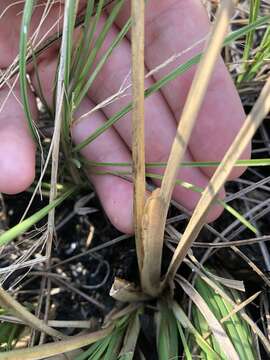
(172, 26)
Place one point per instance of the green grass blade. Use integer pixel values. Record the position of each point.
(188, 164)
(102, 61)
(227, 207)
(72, 11)
(26, 19)
(85, 42)
(236, 329)
(185, 322)
(9, 335)
(95, 351)
(81, 87)
(191, 187)
(262, 55)
(253, 14)
(166, 79)
(90, 26)
(184, 342)
(131, 337)
(167, 339)
(20, 228)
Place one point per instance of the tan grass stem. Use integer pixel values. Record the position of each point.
(253, 121)
(158, 205)
(138, 152)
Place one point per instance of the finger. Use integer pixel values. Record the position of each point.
(46, 20)
(17, 148)
(114, 192)
(172, 27)
(160, 126)
(10, 26)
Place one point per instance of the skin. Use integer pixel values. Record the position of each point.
(171, 27)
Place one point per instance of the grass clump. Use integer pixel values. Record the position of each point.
(219, 327)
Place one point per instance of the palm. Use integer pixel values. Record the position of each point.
(171, 27)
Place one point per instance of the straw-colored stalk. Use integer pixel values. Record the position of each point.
(158, 204)
(15, 308)
(253, 121)
(138, 153)
(58, 121)
(61, 347)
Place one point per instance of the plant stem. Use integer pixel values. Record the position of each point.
(138, 148)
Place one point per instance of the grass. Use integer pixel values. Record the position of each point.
(203, 316)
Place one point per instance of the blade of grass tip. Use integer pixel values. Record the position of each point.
(22, 227)
(14, 307)
(190, 112)
(215, 326)
(181, 69)
(26, 19)
(254, 119)
(138, 138)
(56, 348)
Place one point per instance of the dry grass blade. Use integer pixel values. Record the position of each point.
(254, 119)
(213, 323)
(241, 306)
(52, 349)
(125, 291)
(14, 307)
(138, 153)
(158, 204)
